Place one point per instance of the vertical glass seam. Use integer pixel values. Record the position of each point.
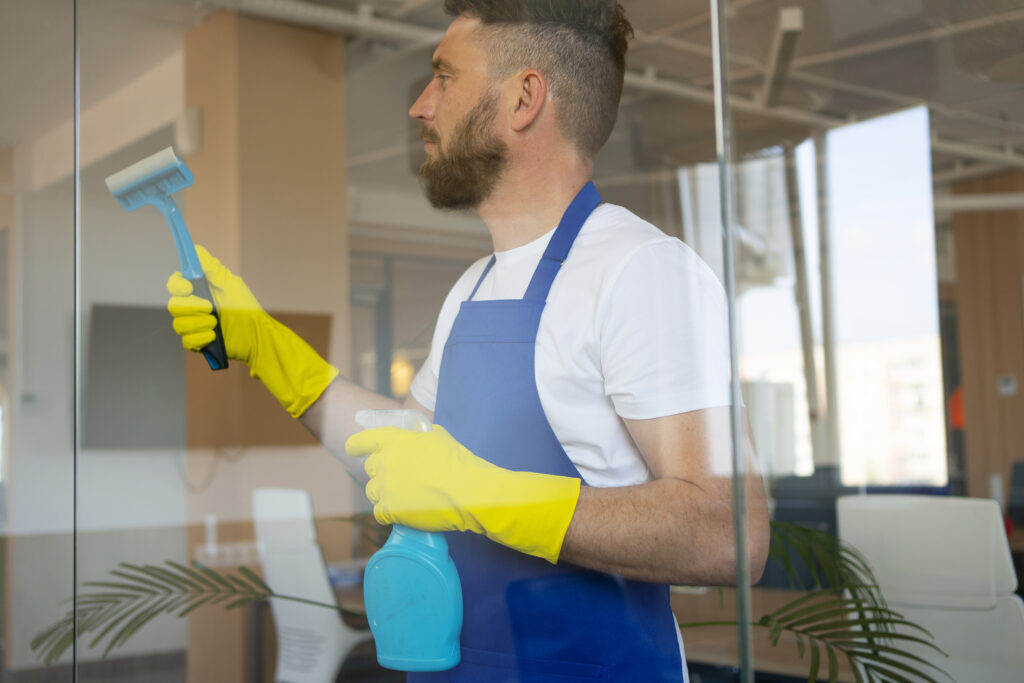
(76, 361)
(723, 145)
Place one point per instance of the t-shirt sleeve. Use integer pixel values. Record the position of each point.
(664, 334)
(424, 384)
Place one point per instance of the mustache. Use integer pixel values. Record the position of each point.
(430, 135)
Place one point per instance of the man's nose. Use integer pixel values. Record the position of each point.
(423, 108)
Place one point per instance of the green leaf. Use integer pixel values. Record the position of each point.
(138, 619)
(869, 651)
(803, 600)
(241, 602)
(239, 583)
(833, 665)
(256, 581)
(789, 615)
(812, 676)
(194, 574)
(858, 674)
(137, 583)
(838, 635)
(815, 621)
(214, 576)
(196, 604)
(860, 623)
(897, 677)
(173, 577)
(115, 620)
(774, 632)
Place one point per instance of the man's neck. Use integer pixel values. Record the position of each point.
(528, 204)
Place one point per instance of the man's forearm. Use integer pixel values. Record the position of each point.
(665, 531)
(331, 419)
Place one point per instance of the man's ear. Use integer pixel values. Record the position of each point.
(529, 96)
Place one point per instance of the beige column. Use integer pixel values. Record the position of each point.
(990, 324)
(269, 200)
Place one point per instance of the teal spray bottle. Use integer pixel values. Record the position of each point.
(411, 587)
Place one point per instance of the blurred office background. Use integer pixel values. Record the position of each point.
(876, 178)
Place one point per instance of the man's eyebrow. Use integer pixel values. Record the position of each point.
(440, 64)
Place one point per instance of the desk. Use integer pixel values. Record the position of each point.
(716, 645)
(719, 645)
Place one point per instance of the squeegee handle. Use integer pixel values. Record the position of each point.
(214, 352)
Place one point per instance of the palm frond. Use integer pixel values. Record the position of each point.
(830, 621)
(830, 562)
(845, 616)
(134, 595)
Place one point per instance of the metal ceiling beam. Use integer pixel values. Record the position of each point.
(780, 55)
(364, 23)
(756, 67)
(1002, 201)
(961, 171)
(943, 31)
(704, 18)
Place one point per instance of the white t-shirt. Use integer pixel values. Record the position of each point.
(635, 327)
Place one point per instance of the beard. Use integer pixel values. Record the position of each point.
(465, 173)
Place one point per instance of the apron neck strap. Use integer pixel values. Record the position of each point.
(490, 264)
(582, 205)
(575, 216)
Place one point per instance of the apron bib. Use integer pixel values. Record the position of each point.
(526, 620)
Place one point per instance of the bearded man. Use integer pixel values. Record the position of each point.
(578, 378)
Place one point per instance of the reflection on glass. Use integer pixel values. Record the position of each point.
(37, 327)
(836, 298)
(882, 227)
(900, 129)
(882, 261)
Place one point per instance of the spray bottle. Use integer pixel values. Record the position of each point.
(411, 587)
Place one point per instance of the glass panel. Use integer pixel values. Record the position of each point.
(37, 330)
(877, 193)
(134, 477)
(304, 161)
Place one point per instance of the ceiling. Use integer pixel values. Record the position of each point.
(853, 59)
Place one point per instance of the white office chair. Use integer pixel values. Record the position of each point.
(945, 564)
(312, 641)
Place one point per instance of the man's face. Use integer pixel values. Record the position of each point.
(465, 157)
(465, 168)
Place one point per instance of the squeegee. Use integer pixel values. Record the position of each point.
(152, 181)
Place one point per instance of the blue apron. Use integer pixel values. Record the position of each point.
(526, 620)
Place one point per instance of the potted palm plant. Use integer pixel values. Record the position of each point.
(843, 617)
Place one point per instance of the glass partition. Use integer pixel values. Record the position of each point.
(875, 172)
(825, 198)
(37, 328)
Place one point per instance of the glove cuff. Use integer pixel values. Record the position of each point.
(543, 506)
(289, 367)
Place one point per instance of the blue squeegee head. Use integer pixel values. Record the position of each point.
(150, 180)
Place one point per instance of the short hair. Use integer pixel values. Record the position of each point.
(578, 45)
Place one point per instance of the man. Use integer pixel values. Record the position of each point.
(578, 378)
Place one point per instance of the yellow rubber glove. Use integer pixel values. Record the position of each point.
(289, 367)
(430, 481)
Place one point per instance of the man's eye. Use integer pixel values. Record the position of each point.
(442, 78)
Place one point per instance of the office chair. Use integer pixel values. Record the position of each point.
(312, 641)
(945, 564)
